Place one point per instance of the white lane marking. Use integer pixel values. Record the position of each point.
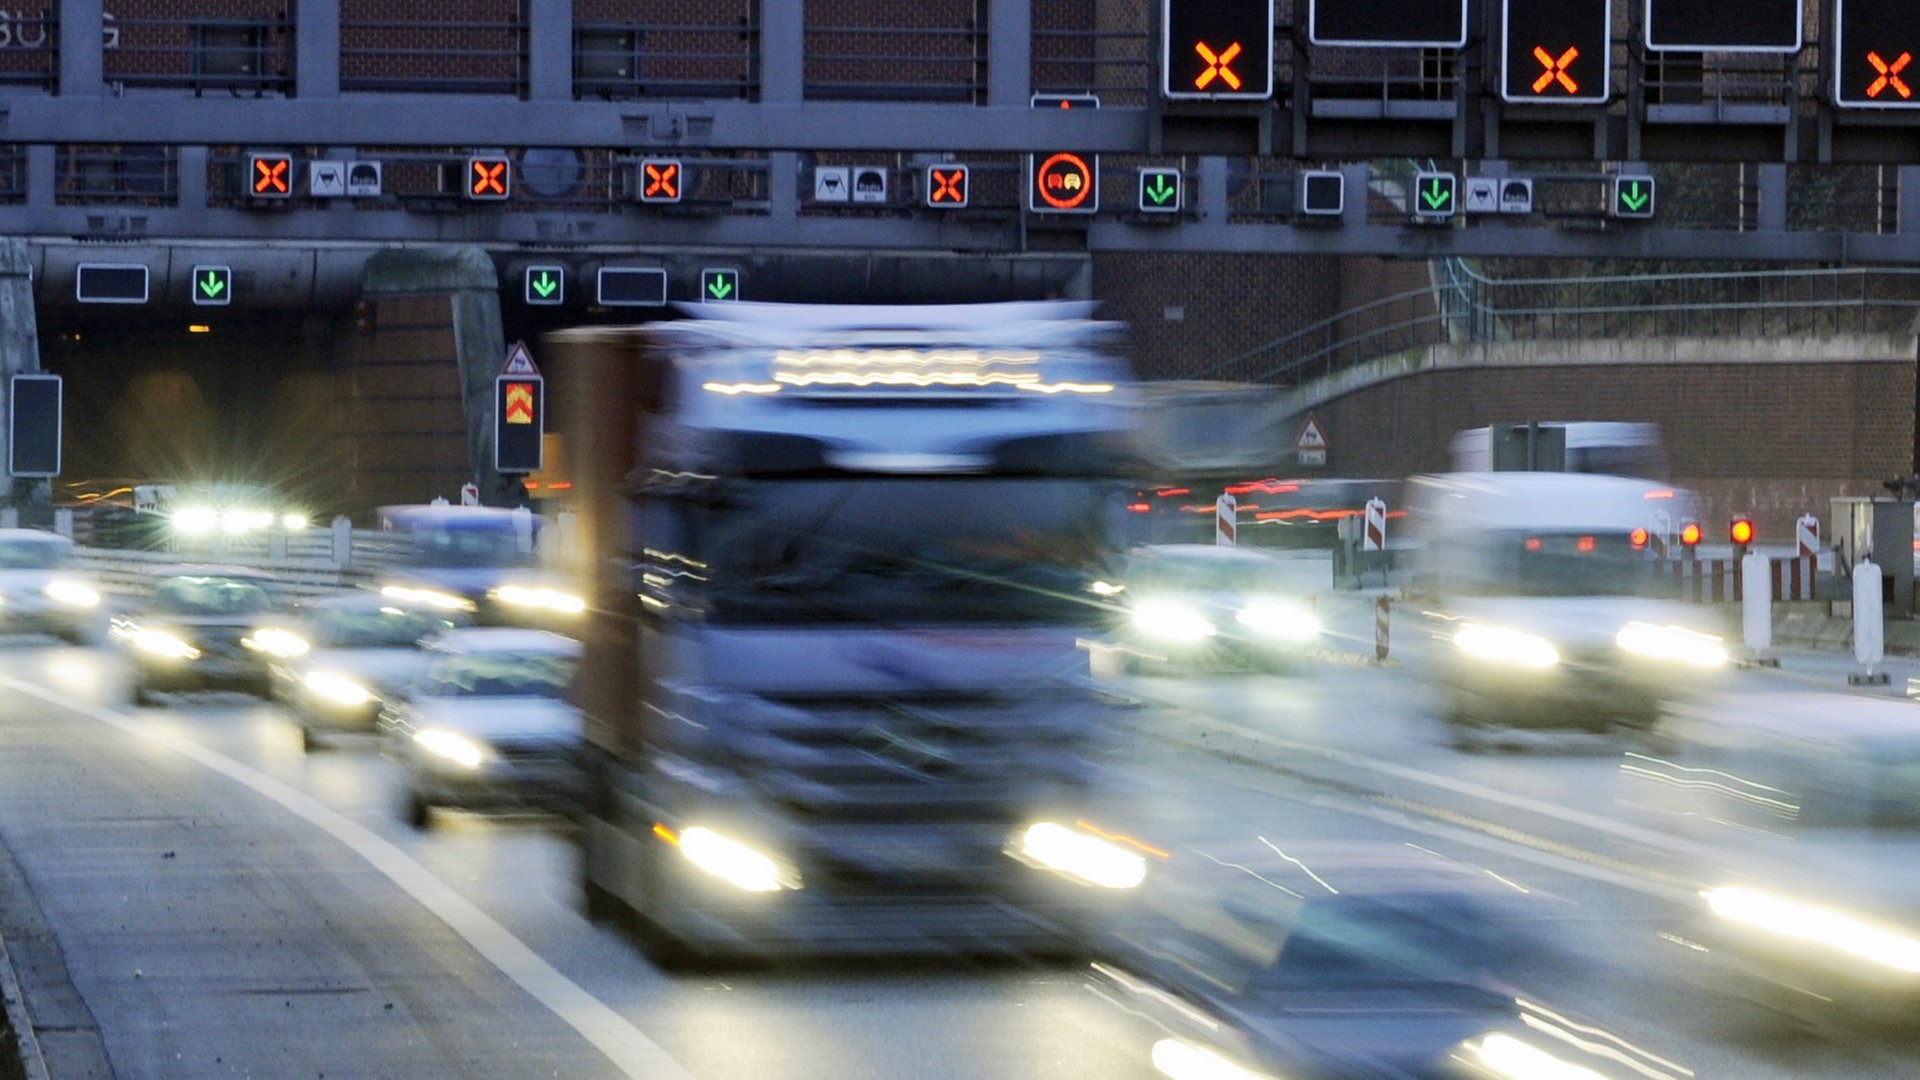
(625, 1045)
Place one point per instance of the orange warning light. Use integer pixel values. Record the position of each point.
(487, 178)
(1639, 537)
(1217, 66)
(1889, 75)
(1556, 70)
(1690, 533)
(273, 175)
(660, 180)
(1740, 531)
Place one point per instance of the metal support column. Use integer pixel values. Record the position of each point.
(782, 39)
(81, 32)
(550, 50)
(316, 49)
(1009, 52)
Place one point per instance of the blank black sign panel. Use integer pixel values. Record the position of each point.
(1436, 24)
(1720, 26)
(33, 436)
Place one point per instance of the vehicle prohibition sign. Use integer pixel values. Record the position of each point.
(1064, 183)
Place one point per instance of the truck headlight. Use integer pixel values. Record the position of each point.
(239, 522)
(69, 593)
(540, 597)
(730, 860)
(1171, 620)
(1081, 855)
(1672, 643)
(1796, 921)
(337, 688)
(1509, 1058)
(294, 522)
(161, 644)
(463, 751)
(1180, 1060)
(196, 520)
(1276, 619)
(1503, 646)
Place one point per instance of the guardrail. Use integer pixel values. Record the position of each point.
(308, 563)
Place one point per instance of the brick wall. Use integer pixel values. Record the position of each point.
(402, 427)
(1189, 311)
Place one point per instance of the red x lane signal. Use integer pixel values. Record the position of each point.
(489, 178)
(1217, 66)
(947, 186)
(272, 176)
(660, 180)
(1556, 69)
(1889, 75)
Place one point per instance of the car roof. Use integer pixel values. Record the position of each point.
(359, 601)
(504, 639)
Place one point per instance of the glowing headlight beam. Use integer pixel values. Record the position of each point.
(550, 599)
(274, 641)
(1672, 643)
(196, 520)
(1185, 1061)
(1170, 620)
(1291, 622)
(734, 862)
(1796, 921)
(1077, 854)
(164, 645)
(1504, 646)
(451, 745)
(337, 688)
(1508, 1057)
(71, 593)
(430, 597)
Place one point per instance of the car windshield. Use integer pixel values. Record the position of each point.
(951, 550)
(466, 547)
(31, 555)
(374, 628)
(1534, 563)
(1205, 575)
(520, 674)
(210, 596)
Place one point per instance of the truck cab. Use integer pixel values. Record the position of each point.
(834, 685)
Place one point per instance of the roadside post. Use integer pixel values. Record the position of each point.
(1756, 607)
(1869, 625)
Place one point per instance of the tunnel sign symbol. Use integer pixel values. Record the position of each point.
(519, 402)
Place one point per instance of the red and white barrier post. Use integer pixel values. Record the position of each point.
(1226, 520)
(1806, 537)
(1382, 613)
(1375, 537)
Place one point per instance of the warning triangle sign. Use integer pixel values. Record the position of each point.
(1311, 438)
(519, 361)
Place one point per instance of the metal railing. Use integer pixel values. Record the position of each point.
(714, 59)
(246, 55)
(433, 56)
(1465, 305)
(876, 63)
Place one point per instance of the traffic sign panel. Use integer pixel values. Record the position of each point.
(1435, 195)
(545, 284)
(212, 286)
(1412, 24)
(1556, 51)
(519, 420)
(489, 178)
(947, 186)
(1717, 26)
(1323, 193)
(33, 427)
(110, 283)
(719, 284)
(1874, 46)
(632, 286)
(1160, 191)
(1063, 183)
(1632, 197)
(1217, 49)
(270, 176)
(660, 180)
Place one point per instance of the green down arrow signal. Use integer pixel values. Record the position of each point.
(720, 288)
(1632, 197)
(213, 284)
(1436, 194)
(1162, 189)
(545, 284)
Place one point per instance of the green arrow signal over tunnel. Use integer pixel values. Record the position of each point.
(213, 284)
(544, 283)
(1161, 190)
(1633, 195)
(1437, 194)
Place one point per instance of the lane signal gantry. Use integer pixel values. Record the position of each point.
(947, 187)
(1874, 43)
(660, 180)
(1216, 50)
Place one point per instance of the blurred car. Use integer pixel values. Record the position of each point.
(199, 630)
(485, 723)
(42, 590)
(1199, 605)
(339, 657)
(477, 559)
(1252, 959)
(157, 514)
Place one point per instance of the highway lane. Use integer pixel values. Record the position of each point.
(266, 941)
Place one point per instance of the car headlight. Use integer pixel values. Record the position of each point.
(1511, 1059)
(1080, 855)
(461, 750)
(337, 688)
(196, 520)
(1271, 618)
(730, 860)
(284, 644)
(1504, 646)
(1171, 620)
(71, 593)
(1180, 1060)
(1796, 921)
(1672, 643)
(161, 644)
(540, 597)
(430, 597)
(239, 522)
(294, 522)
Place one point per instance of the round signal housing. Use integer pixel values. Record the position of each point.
(1740, 531)
(1690, 533)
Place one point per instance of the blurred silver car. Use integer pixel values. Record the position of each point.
(485, 723)
(199, 631)
(42, 590)
(1263, 959)
(339, 657)
(1202, 606)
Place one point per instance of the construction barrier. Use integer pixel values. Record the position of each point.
(1717, 581)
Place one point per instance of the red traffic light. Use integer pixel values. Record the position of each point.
(1740, 531)
(1639, 538)
(1690, 533)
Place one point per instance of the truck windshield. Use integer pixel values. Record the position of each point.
(1567, 564)
(959, 550)
(466, 547)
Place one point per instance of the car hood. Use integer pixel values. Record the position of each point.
(498, 718)
(379, 669)
(1578, 620)
(472, 582)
